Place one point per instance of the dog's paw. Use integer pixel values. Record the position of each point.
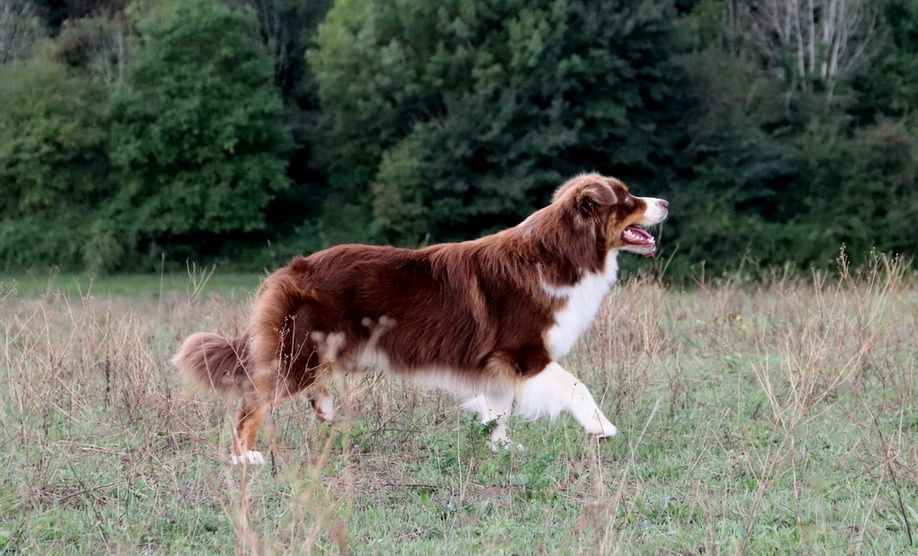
(504, 443)
(612, 431)
(251, 457)
(602, 428)
(324, 408)
(608, 430)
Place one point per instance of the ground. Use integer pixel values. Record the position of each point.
(762, 418)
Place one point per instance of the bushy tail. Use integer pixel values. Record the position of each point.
(214, 361)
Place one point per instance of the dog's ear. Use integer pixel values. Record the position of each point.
(593, 196)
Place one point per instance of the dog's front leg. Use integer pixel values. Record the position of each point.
(554, 390)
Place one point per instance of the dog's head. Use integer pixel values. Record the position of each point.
(604, 207)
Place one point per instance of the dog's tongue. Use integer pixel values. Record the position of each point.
(640, 238)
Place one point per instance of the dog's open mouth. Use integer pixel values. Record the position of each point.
(638, 237)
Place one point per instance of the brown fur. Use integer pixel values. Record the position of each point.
(217, 362)
(475, 309)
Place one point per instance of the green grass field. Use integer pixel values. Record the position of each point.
(140, 287)
(761, 419)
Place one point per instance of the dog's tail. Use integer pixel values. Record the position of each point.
(214, 361)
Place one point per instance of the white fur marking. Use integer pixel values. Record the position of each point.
(655, 212)
(438, 378)
(492, 401)
(496, 406)
(375, 359)
(251, 457)
(325, 407)
(583, 301)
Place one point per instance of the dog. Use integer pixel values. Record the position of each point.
(486, 319)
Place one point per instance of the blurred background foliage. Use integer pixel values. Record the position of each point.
(241, 132)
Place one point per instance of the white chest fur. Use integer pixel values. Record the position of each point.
(582, 302)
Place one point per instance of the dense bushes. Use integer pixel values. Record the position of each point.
(197, 141)
(774, 175)
(226, 131)
(54, 170)
(190, 149)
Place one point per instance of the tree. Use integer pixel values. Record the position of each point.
(889, 86)
(807, 41)
(197, 134)
(775, 173)
(461, 117)
(20, 28)
(98, 45)
(54, 169)
(858, 189)
(284, 27)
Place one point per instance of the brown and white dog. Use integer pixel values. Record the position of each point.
(487, 319)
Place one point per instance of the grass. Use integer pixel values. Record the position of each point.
(770, 418)
(136, 286)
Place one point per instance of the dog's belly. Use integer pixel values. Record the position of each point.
(440, 377)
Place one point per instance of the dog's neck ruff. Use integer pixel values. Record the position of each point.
(581, 303)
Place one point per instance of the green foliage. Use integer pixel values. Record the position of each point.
(196, 135)
(465, 115)
(734, 167)
(858, 190)
(798, 196)
(51, 240)
(52, 137)
(208, 131)
(53, 164)
(890, 84)
(775, 177)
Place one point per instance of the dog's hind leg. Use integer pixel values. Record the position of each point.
(554, 390)
(247, 423)
(494, 406)
(256, 405)
(322, 401)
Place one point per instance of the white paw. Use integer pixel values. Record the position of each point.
(324, 407)
(252, 457)
(503, 443)
(603, 428)
(497, 445)
(608, 430)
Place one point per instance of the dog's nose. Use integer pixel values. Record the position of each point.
(664, 203)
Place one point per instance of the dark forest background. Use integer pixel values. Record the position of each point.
(242, 132)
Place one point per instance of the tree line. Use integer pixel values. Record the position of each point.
(140, 133)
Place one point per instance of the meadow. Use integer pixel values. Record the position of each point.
(776, 416)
